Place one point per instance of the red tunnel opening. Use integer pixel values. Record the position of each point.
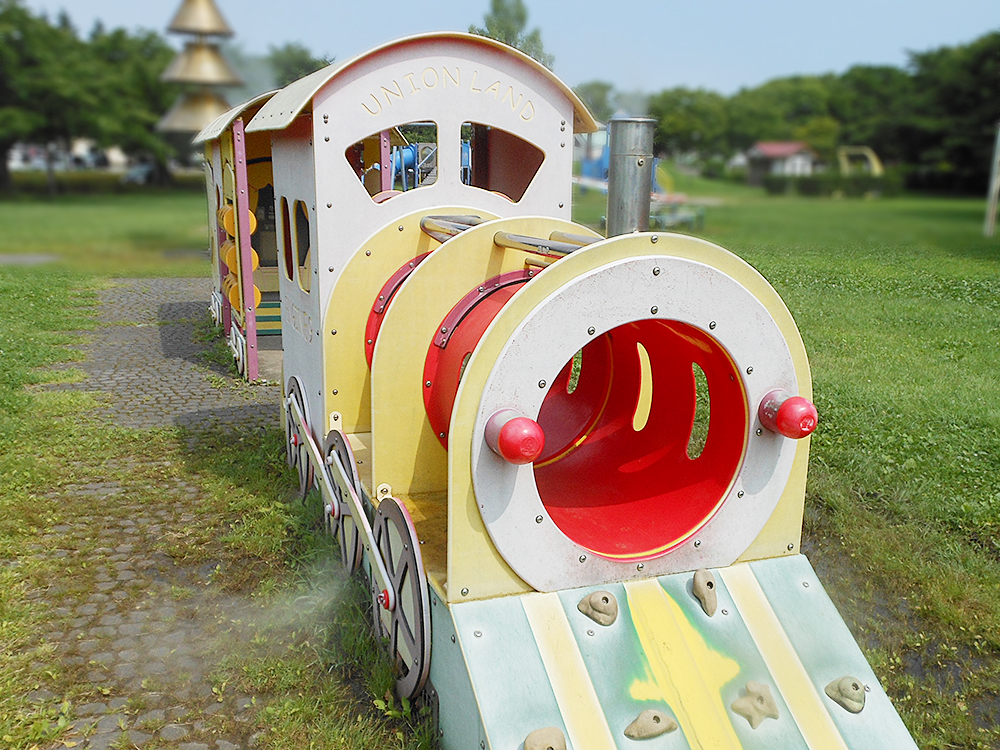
(617, 476)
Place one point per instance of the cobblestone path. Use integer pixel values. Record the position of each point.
(129, 620)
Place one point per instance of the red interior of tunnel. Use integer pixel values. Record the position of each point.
(633, 494)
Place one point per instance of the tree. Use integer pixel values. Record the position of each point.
(874, 105)
(292, 61)
(597, 96)
(690, 120)
(506, 22)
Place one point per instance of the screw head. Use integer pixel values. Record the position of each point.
(538, 519)
(329, 205)
(640, 161)
(759, 432)
(740, 493)
(583, 558)
(465, 592)
(478, 633)
(654, 309)
(640, 566)
(656, 271)
(541, 384)
(590, 632)
(725, 611)
(453, 639)
(791, 547)
(591, 330)
(400, 227)
(334, 391)
(333, 332)
(711, 326)
(654, 239)
(561, 204)
(749, 371)
(427, 384)
(805, 584)
(441, 434)
(697, 542)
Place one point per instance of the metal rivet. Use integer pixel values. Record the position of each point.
(329, 205)
(326, 118)
(562, 145)
(562, 127)
(697, 542)
(368, 252)
(327, 139)
(333, 332)
(638, 162)
(541, 383)
(759, 432)
(370, 342)
(591, 330)
(400, 227)
(740, 493)
(749, 371)
(539, 519)
(427, 384)
(334, 391)
(711, 326)
(562, 122)
(805, 584)
(478, 633)
(640, 566)
(590, 632)
(330, 269)
(656, 271)
(654, 239)
(465, 592)
(725, 611)
(868, 688)
(441, 434)
(654, 309)
(453, 639)
(583, 558)
(444, 329)
(561, 204)
(791, 547)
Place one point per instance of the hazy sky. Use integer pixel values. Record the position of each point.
(721, 45)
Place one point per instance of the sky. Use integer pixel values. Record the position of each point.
(647, 45)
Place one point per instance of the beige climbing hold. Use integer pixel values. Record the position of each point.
(650, 723)
(849, 692)
(756, 705)
(547, 738)
(704, 590)
(599, 606)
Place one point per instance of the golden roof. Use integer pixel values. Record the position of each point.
(201, 62)
(200, 17)
(192, 112)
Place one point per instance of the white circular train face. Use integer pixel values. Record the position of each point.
(652, 461)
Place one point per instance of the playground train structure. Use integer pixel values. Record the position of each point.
(572, 468)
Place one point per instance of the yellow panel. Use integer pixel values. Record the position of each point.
(790, 677)
(345, 369)
(473, 563)
(687, 673)
(782, 534)
(581, 710)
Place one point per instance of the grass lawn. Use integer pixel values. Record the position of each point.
(897, 301)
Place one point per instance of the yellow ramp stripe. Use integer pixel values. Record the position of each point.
(789, 675)
(686, 673)
(581, 711)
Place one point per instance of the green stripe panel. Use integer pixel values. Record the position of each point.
(828, 652)
(507, 673)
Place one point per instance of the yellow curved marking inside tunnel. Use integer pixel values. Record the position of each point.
(684, 670)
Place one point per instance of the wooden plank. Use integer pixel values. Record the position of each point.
(828, 651)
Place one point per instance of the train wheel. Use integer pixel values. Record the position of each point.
(345, 528)
(297, 454)
(408, 626)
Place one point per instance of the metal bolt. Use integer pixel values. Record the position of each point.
(334, 391)
(656, 271)
(453, 639)
(654, 309)
(333, 332)
(369, 342)
(482, 744)
(725, 611)
(329, 205)
(591, 330)
(640, 566)
(749, 371)
(444, 329)
(805, 584)
(562, 145)
(541, 383)
(590, 632)
(327, 139)
(478, 634)
(711, 326)
(759, 432)
(638, 162)
(654, 239)
(740, 493)
(539, 519)
(697, 542)
(868, 688)
(326, 118)
(400, 227)
(368, 252)
(465, 592)
(562, 127)
(427, 384)
(791, 547)
(583, 558)
(441, 434)
(561, 204)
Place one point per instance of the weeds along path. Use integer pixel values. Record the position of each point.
(145, 594)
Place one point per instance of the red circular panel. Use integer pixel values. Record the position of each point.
(624, 487)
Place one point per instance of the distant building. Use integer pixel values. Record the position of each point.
(792, 158)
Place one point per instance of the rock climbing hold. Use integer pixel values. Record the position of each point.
(600, 606)
(546, 738)
(849, 692)
(704, 590)
(756, 705)
(650, 723)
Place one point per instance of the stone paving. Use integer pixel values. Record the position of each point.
(132, 622)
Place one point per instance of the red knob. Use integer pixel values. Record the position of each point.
(792, 416)
(514, 437)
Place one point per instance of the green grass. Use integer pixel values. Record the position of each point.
(897, 301)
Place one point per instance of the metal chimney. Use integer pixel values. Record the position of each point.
(630, 174)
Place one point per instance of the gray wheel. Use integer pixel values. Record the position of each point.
(345, 529)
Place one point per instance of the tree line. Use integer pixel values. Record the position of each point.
(934, 119)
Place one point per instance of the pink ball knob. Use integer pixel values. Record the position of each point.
(515, 438)
(792, 416)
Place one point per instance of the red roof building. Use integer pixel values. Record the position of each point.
(793, 158)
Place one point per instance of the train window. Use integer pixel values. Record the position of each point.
(264, 240)
(410, 155)
(702, 413)
(302, 245)
(495, 160)
(286, 240)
